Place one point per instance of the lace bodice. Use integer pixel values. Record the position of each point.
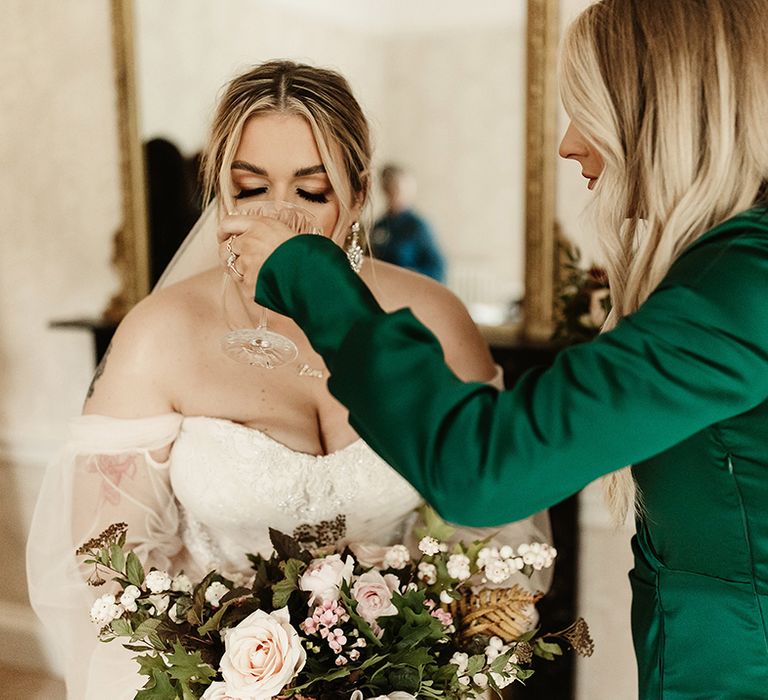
(234, 482)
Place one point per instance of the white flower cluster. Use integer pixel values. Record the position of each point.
(458, 567)
(495, 648)
(427, 572)
(430, 546)
(498, 564)
(182, 584)
(130, 595)
(105, 609)
(538, 555)
(397, 557)
(215, 592)
(158, 581)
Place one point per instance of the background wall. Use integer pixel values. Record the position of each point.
(59, 198)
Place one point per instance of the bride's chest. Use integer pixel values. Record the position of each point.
(235, 479)
(290, 403)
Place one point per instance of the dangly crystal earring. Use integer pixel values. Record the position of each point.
(354, 249)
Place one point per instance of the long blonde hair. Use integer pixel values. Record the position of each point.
(674, 96)
(324, 98)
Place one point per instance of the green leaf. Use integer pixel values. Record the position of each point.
(187, 693)
(147, 631)
(214, 622)
(500, 662)
(282, 590)
(186, 666)
(149, 663)
(195, 612)
(333, 675)
(405, 678)
(547, 650)
(121, 627)
(351, 607)
(525, 673)
(416, 657)
(434, 525)
(158, 687)
(419, 627)
(134, 571)
(475, 664)
(285, 546)
(117, 556)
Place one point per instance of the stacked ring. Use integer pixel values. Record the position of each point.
(232, 258)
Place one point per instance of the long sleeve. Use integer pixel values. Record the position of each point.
(695, 353)
(103, 475)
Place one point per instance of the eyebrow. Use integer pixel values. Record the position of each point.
(256, 170)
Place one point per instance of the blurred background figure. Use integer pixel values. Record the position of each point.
(401, 236)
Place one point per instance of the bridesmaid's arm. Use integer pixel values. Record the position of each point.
(695, 353)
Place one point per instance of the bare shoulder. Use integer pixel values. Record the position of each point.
(134, 377)
(440, 310)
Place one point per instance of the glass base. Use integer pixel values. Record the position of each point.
(260, 347)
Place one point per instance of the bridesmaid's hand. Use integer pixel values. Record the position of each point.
(246, 241)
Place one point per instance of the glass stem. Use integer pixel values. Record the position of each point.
(262, 317)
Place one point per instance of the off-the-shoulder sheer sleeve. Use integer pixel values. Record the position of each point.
(104, 474)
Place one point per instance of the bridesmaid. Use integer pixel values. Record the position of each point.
(669, 109)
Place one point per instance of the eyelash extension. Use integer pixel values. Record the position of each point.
(316, 197)
(250, 193)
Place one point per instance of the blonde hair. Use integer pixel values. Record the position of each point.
(674, 97)
(324, 99)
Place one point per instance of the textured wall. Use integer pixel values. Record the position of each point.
(59, 207)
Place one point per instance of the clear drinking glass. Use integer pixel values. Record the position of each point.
(261, 346)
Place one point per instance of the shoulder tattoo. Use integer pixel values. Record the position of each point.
(97, 374)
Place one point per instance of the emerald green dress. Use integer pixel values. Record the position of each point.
(679, 389)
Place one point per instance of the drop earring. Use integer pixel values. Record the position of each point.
(354, 249)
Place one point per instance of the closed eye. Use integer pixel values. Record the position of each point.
(316, 197)
(244, 194)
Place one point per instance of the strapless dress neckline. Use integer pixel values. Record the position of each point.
(234, 482)
(259, 434)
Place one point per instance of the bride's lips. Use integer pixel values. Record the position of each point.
(592, 180)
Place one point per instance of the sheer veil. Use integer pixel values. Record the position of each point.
(198, 252)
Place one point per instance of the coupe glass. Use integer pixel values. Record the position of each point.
(261, 346)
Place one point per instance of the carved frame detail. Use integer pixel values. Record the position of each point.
(131, 246)
(540, 180)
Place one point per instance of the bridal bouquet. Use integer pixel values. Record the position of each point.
(321, 624)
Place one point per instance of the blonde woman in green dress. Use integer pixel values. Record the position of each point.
(669, 108)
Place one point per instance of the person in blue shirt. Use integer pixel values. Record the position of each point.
(401, 236)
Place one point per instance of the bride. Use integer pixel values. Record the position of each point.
(199, 454)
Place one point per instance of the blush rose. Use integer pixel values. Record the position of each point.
(262, 655)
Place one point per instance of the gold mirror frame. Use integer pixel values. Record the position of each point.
(131, 244)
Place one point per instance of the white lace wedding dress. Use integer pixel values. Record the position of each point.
(222, 487)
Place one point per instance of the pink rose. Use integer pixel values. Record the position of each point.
(262, 655)
(323, 578)
(373, 593)
(216, 691)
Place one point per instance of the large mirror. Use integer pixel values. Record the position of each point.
(460, 94)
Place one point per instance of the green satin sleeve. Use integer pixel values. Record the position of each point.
(695, 353)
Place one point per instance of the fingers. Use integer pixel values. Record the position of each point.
(245, 241)
(248, 223)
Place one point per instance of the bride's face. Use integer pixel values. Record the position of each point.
(278, 159)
